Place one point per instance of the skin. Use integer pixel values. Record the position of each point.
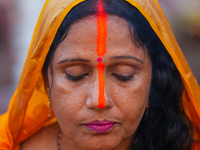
(76, 102)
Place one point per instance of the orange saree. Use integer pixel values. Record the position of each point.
(28, 110)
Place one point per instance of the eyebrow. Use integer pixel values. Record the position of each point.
(127, 57)
(74, 60)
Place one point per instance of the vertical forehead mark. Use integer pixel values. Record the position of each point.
(101, 98)
(101, 31)
(101, 50)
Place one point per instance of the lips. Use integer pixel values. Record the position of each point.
(100, 126)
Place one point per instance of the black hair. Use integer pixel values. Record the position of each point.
(166, 126)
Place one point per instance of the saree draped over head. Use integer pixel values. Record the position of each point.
(28, 110)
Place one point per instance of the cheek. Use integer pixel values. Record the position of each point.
(131, 101)
(67, 101)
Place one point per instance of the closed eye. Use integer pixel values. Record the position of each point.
(76, 78)
(123, 78)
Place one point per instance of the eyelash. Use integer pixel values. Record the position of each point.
(123, 78)
(76, 78)
(119, 77)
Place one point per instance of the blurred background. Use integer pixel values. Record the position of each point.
(18, 19)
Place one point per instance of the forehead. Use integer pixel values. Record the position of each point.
(86, 29)
(82, 37)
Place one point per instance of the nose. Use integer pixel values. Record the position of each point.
(101, 98)
(98, 96)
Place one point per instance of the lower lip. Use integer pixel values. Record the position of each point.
(100, 128)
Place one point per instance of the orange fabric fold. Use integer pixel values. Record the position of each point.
(28, 111)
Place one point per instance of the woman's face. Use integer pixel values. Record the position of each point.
(74, 83)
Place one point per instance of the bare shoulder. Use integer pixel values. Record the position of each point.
(44, 139)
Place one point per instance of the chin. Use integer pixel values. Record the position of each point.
(102, 142)
(99, 146)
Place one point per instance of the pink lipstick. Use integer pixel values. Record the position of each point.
(100, 126)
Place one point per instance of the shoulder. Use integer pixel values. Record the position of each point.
(44, 139)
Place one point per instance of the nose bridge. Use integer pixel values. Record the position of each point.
(95, 91)
(99, 95)
(101, 80)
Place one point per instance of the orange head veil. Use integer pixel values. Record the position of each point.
(28, 110)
